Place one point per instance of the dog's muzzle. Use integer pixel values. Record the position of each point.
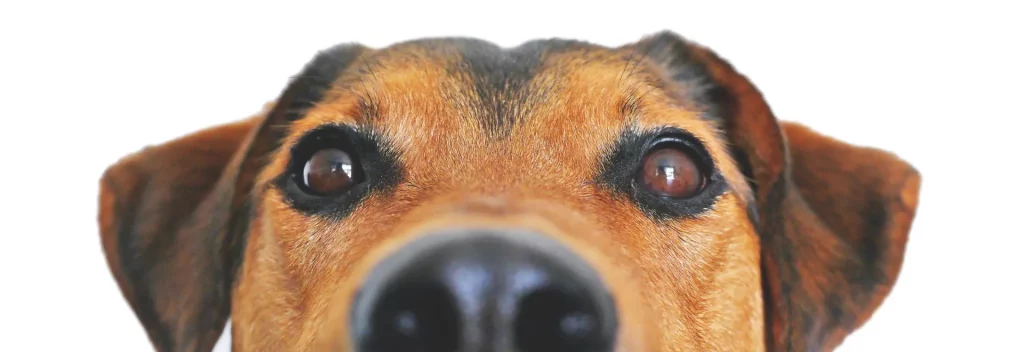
(483, 290)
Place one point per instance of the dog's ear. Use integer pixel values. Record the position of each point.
(166, 216)
(174, 217)
(833, 218)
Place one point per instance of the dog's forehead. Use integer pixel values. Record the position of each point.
(467, 103)
(497, 87)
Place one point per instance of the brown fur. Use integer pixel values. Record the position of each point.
(794, 259)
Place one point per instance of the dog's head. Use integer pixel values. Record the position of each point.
(449, 195)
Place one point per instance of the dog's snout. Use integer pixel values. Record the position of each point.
(477, 290)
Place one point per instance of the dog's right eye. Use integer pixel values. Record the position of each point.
(667, 172)
(329, 171)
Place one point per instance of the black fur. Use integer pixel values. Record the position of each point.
(698, 88)
(870, 249)
(503, 77)
(773, 222)
(317, 77)
(135, 267)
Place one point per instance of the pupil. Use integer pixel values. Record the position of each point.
(577, 325)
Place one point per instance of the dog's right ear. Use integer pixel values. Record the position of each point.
(174, 217)
(833, 218)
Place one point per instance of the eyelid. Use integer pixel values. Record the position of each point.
(692, 143)
(319, 138)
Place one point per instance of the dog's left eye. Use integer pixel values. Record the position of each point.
(670, 170)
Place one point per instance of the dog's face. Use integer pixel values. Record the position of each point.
(449, 195)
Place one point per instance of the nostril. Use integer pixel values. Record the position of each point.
(483, 291)
(414, 317)
(552, 319)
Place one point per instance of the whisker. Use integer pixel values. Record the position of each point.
(626, 65)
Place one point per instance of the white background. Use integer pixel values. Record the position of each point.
(83, 83)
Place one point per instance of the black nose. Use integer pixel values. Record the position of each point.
(483, 290)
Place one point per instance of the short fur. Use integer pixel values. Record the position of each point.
(800, 246)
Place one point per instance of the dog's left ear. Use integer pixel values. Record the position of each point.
(833, 218)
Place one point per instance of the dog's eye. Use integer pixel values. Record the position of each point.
(332, 168)
(329, 171)
(669, 170)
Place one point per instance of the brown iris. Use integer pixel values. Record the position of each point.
(670, 172)
(329, 171)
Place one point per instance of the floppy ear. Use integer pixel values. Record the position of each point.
(832, 218)
(174, 217)
(166, 216)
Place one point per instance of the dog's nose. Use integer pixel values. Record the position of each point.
(483, 290)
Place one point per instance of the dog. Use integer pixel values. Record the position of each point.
(447, 194)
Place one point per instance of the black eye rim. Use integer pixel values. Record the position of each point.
(685, 144)
(375, 168)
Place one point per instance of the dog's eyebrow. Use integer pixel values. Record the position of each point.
(368, 109)
(688, 80)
